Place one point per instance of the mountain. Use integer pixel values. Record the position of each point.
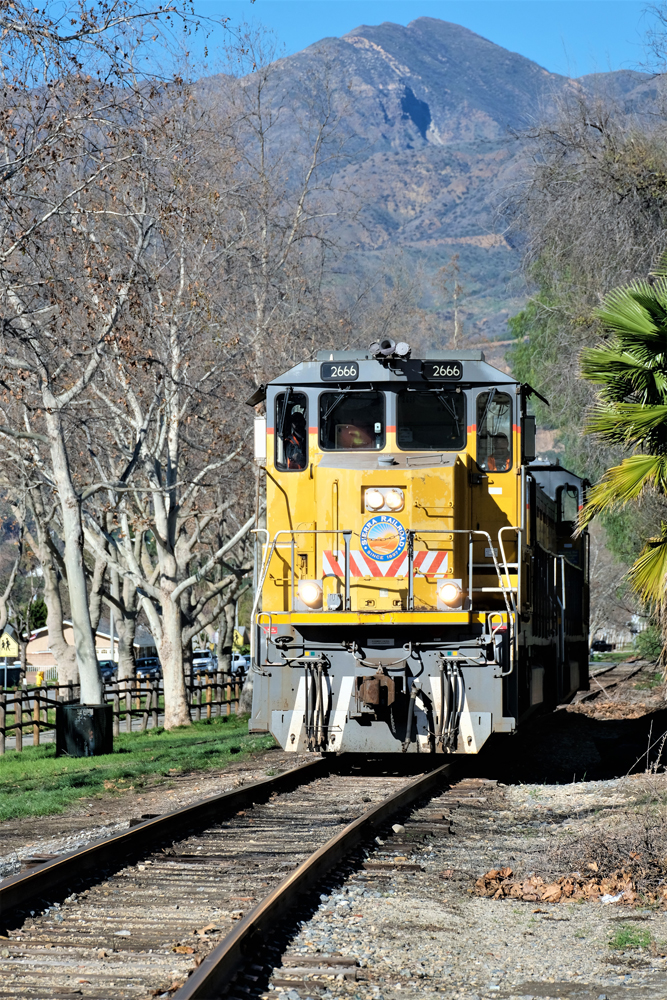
(434, 110)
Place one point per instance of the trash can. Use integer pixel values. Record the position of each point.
(84, 730)
(10, 676)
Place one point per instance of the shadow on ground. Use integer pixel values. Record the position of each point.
(569, 746)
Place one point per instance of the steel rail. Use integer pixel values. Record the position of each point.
(217, 970)
(614, 682)
(22, 892)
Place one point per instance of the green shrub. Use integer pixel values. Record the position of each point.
(649, 643)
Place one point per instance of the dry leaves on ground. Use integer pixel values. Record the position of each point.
(618, 887)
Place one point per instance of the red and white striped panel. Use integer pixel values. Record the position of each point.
(428, 564)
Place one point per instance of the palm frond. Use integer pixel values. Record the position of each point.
(637, 314)
(660, 269)
(599, 364)
(631, 421)
(648, 574)
(623, 483)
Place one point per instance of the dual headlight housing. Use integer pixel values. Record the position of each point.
(388, 498)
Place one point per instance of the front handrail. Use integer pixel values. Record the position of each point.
(502, 575)
(347, 538)
(459, 531)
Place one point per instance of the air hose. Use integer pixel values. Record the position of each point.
(411, 714)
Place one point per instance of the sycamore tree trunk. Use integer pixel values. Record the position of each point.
(70, 510)
(126, 631)
(23, 656)
(126, 624)
(245, 701)
(63, 653)
(170, 648)
(226, 637)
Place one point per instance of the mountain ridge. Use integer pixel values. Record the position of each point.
(436, 113)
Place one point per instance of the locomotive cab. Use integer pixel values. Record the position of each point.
(419, 585)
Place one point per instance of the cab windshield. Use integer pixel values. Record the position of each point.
(351, 421)
(430, 421)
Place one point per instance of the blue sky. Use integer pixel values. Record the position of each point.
(572, 37)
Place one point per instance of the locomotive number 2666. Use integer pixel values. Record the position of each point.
(342, 370)
(443, 369)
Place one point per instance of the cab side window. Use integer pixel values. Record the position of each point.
(568, 505)
(494, 431)
(291, 424)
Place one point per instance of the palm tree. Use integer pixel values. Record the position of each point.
(631, 369)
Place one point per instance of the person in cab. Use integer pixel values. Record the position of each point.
(295, 442)
(499, 459)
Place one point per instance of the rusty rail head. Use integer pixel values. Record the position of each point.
(218, 968)
(27, 890)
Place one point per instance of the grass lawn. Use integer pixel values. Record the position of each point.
(37, 783)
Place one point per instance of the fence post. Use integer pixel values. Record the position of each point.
(197, 697)
(218, 691)
(155, 700)
(128, 705)
(35, 719)
(147, 703)
(18, 719)
(3, 715)
(115, 711)
(70, 691)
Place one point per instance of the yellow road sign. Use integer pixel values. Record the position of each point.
(8, 645)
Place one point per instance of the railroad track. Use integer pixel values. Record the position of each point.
(613, 676)
(178, 905)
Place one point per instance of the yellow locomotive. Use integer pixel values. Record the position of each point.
(419, 586)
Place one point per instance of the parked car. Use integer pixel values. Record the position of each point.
(203, 660)
(108, 669)
(240, 663)
(600, 646)
(149, 667)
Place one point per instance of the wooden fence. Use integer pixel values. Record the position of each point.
(209, 694)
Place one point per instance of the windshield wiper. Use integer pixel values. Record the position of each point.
(334, 403)
(480, 422)
(283, 413)
(451, 409)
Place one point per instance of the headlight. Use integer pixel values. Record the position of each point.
(394, 499)
(450, 594)
(374, 500)
(310, 593)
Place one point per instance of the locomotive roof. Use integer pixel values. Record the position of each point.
(475, 369)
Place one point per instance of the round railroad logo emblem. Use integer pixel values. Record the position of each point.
(383, 538)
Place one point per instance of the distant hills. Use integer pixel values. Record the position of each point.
(433, 107)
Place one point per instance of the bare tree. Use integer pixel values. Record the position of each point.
(69, 135)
